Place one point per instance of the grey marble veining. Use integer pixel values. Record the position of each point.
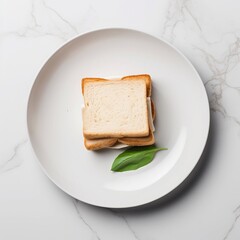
(13, 161)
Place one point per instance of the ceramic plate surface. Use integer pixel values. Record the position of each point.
(55, 120)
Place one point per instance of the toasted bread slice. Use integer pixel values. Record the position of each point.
(122, 112)
(142, 141)
(96, 144)
(145, 77)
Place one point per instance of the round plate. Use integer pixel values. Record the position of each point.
(55, 120)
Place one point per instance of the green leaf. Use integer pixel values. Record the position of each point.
(134, 158)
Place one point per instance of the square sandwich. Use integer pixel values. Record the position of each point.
(117, 111)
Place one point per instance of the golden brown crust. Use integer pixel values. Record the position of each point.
(143, 141)
(85, 80)
(145, 76)
(115, 135)
(147, 79)
(99, 143)
(153, 110)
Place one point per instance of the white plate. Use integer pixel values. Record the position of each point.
(55, 121)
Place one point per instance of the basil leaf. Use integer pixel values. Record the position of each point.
(134, 158)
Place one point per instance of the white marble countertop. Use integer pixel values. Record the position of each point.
(208, 33)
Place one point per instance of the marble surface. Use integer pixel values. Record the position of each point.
(208, 207)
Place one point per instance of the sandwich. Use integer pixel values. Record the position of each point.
(117, 112)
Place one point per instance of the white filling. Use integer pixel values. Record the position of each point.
(119, 146)
(150, 118)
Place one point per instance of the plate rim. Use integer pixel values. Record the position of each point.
(46, 61)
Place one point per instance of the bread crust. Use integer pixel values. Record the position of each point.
(86, 80)
(153, 110)
(115, 135)
(145, 76)
(142, 141)
(99, 143)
